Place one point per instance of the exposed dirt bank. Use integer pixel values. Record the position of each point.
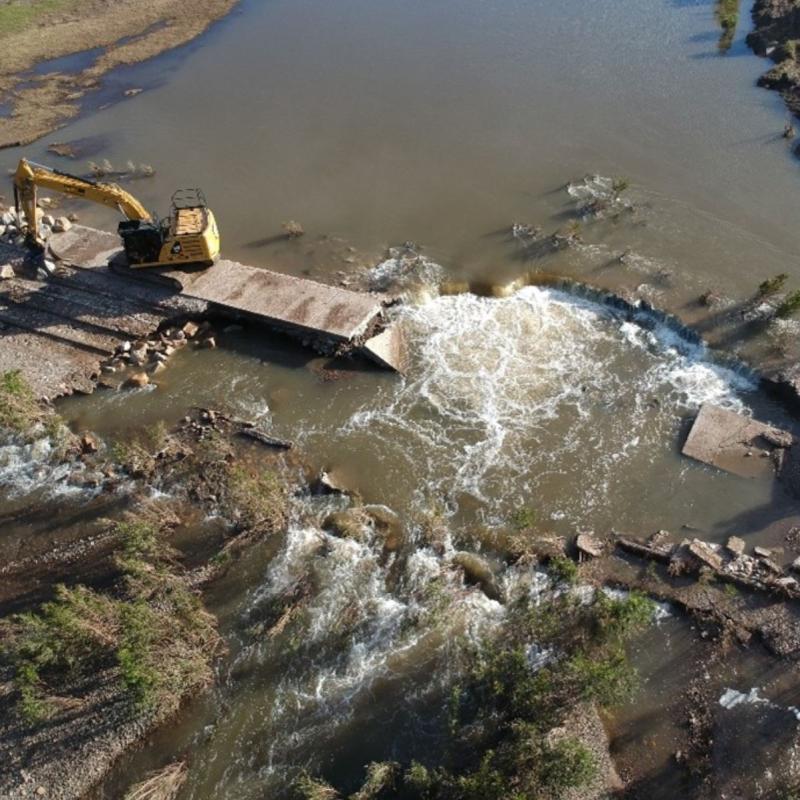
(124, 31)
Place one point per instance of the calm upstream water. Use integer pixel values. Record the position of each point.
(375, 123)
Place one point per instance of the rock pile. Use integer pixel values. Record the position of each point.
(145, 358)
(730, 563)
(13, 224)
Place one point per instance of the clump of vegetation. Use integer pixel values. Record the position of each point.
(772, 286)
(727, 14)
(150, 629)
(563, 569)
(162, 785)
(20, 412)
(523, 518)
(308, 788)
(381, 776)
(510, 715)
(255, 500)
(619, 185)
(789, 305)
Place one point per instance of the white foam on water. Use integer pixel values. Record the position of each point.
(27, 467)
(508, 395)
(731, 698)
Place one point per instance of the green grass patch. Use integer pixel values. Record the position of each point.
(789, 306)
(19, 15)
(19, 409)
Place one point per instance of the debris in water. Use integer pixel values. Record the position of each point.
(292, 229)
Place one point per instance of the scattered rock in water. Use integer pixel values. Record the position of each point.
(589, 545)
(292, 229)
(89, 443)
(61, 225)
(332, 482)
(137, 380)
(7, 272)
(387, 524)
(735, 545)
(477, 571)
(62, 149)
(705, 553)
(132, 92)
(350, 523)
(189, 330)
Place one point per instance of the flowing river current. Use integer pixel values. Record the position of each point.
(374, 124)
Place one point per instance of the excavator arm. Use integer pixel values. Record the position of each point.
(30, 175)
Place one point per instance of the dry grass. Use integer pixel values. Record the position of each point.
(161, 785)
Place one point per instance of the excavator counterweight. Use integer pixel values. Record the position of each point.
(188, 236)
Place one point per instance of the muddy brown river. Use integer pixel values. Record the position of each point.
(374, 124)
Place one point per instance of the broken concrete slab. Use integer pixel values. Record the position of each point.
(732, 442)
(735, 545)
(387, 349)
(705, 553)
(589, 545)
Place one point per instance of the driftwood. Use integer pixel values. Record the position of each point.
(244, 428)
(644, 550)
(264, 438)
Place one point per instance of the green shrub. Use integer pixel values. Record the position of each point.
(563, 569)
(419, 779)
(607, 679)
(19, 410)
(789, 306)
(381, 777)
(308, 788)
(523, 518)
(154, 629)
(620, 618)
(567, 764)
(772, 285)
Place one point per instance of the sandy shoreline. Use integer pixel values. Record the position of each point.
(129, 31)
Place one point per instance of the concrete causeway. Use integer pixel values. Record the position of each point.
(58, 330)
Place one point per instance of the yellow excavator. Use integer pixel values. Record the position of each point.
(188, 236)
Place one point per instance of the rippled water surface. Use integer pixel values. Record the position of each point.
(375, 123)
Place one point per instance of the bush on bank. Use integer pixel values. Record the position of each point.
(508, 736)
(150, 629)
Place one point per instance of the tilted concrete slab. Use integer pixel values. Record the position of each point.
(388, 349)
(734, 443)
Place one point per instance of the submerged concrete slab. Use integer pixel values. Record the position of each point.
(734, 443)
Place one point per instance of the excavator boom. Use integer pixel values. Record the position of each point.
(30, 175)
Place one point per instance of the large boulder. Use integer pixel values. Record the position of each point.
(478, 571)
(351, 523)
(387, 525)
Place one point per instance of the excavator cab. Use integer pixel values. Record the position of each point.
(188, 236)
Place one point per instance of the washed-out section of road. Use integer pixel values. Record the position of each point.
(60, 328)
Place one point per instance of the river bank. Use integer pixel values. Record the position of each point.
(55, 53)
(776, 35)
